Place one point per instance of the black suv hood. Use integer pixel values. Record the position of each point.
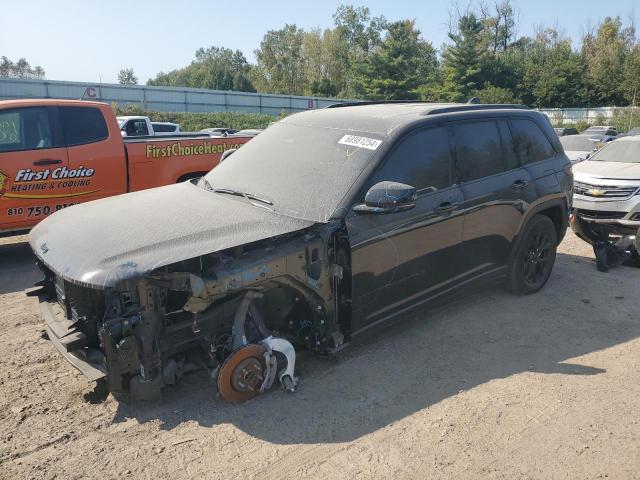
(104, 242)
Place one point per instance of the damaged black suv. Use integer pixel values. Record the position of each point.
(325, 225)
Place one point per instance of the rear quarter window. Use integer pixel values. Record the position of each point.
(530, 142)
(82, 125)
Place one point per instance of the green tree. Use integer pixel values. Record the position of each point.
(396, 68)
(361, 31)
(491, 94)
(127, 77)
(281, 67)
(325, 73)
(630, 86)
(604, 53)
(553, 74)
(329, 62)
(363, 56)
(6, 67)
(498, 25)
(20, 69)
(461, 61)
(215, 68)
(355, 37)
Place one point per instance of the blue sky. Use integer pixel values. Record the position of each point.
(90, 40)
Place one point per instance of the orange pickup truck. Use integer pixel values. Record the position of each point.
(55, 153)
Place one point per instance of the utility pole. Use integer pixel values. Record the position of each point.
(633, 106)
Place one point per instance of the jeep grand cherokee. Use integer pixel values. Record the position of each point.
(328, 224)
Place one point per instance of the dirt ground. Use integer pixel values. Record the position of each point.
(492, 386)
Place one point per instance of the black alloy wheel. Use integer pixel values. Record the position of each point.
(533, 262)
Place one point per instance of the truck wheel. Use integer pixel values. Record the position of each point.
(532, 264)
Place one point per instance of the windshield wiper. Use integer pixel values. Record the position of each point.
(230, 191)
(248, 196)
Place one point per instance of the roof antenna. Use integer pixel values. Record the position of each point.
(474, 101)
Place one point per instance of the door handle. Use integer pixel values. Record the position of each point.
(46, 161)
(518, 184)
(446, 207)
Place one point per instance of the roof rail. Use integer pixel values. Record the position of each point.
(446, 109)
(371, 102)
(475, 106)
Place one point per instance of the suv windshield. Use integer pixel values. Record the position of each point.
(302, 170)
(619, 151)
(577, 143)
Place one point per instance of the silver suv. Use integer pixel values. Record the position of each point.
(606, 196)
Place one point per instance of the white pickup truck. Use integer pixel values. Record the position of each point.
(140, 126)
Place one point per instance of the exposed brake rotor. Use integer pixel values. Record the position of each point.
(242, 373)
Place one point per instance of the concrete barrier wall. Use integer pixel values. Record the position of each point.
(163, 99)
(570, 116)
(170, 99)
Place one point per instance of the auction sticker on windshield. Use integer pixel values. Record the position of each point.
(362, 142)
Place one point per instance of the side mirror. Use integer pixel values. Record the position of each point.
(123, 133)
(388, 197)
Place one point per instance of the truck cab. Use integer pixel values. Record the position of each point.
(54, 153)
(135, 126)
(57, 153)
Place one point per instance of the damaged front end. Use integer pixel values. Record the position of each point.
(597, 225)
(241, 313)
(614, 241)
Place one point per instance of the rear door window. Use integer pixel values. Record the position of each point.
(82, 125)
(422, 160)
(478, 150)
(26, 129)
(530, 142)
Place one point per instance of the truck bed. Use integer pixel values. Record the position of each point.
(154, 161)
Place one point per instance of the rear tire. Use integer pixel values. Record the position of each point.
(533, 261)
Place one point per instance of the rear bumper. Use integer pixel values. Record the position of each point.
(70, 343)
